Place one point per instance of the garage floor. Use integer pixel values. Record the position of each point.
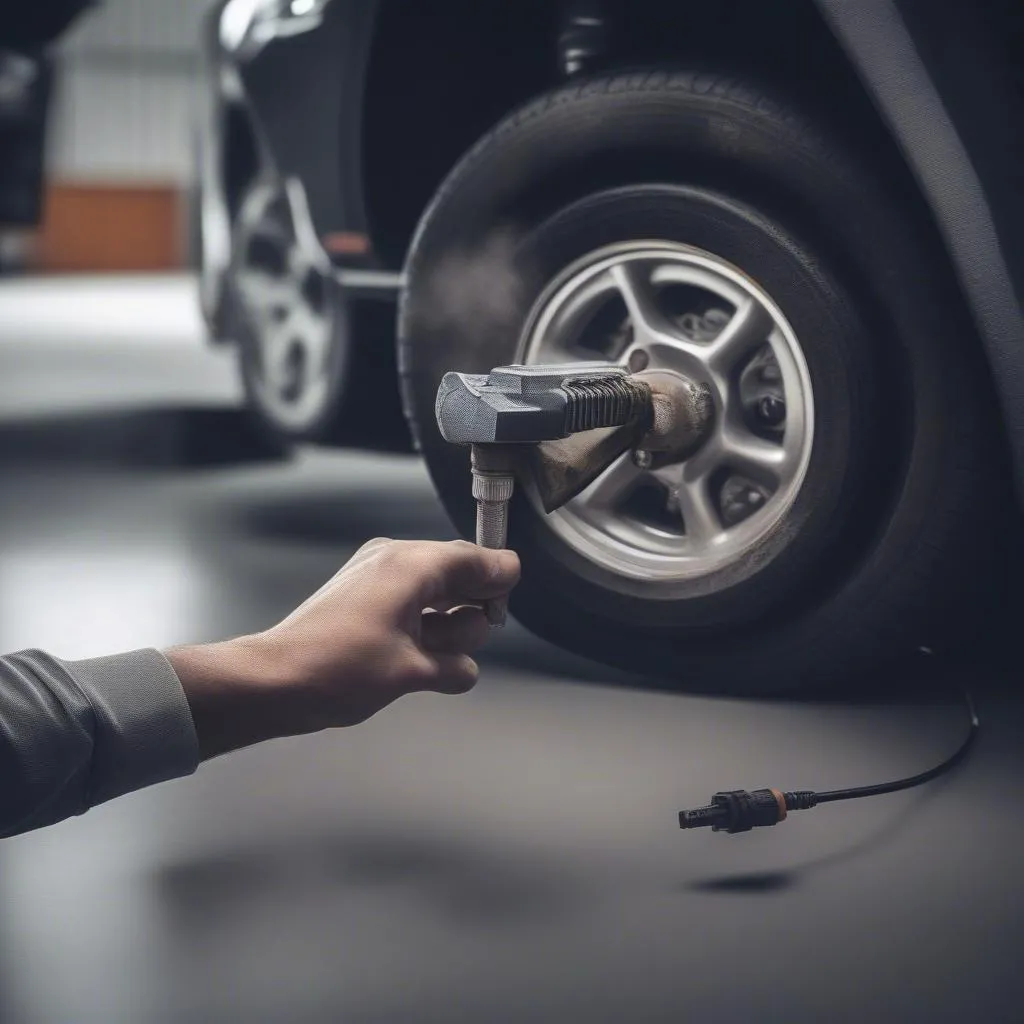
(508, 856)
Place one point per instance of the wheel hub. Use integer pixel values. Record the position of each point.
(663, 307)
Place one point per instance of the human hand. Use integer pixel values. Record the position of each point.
(398, 617)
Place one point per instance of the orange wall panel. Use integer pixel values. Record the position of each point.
(109, 228)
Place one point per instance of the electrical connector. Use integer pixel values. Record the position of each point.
(740, 810)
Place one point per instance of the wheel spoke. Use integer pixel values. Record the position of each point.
(705, 461)
(747, 330)
(263, 292)
(634, 285)
(669, 475)
(754, 456)
(274, 352)
(556, 346)
(310, 330)
(700, 517)
(612, 486)
(661, 338)
(298, 263)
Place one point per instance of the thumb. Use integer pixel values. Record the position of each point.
(450, 673)
(465, 573)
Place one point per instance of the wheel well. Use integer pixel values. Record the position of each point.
(441, 74)
(241, 155)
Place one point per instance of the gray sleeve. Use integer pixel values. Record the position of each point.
(76, 733)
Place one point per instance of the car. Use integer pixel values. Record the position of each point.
(813, 208)
(26, 77)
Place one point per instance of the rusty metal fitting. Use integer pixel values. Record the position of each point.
(684, 412)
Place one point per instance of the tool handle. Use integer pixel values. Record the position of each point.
(493, 484)
(492, 532)
(496, 610)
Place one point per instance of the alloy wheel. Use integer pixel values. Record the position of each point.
(673, 308)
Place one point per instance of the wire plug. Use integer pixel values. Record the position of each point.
(740, 810)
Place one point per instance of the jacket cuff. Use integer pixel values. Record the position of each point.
(144, 729)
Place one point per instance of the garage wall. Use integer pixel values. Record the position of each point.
(121, 139)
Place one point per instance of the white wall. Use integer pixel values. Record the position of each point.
(123, 111)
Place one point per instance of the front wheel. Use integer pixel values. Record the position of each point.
(842, 510)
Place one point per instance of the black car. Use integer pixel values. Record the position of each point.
(814, 208)
(26, 78)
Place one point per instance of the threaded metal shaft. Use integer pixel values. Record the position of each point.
(491, 523)
(493, 492)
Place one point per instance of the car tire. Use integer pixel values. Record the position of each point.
(883, 544)
(291, 322)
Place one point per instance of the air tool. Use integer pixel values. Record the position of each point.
(558, 427)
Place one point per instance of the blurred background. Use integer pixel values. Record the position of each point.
(98, 247)
(509, 856)
(121, 143)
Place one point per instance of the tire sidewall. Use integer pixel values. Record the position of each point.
(925, 553)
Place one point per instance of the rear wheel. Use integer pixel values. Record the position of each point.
(850, 497)
(289, 318)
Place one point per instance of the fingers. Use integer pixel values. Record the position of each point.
(452, 673)
(462, 630)
(460, 572)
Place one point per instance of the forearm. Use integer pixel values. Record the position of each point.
(74, 734)
(239, 693)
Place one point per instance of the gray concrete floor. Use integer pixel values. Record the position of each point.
(511, 855)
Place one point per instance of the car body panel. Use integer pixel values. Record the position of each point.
(280, 64)
(960, 125)
(305, 89)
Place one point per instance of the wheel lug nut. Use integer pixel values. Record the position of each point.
(739, 499)
(771, 410)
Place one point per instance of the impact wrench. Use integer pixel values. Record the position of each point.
(557, 428)
(562, 426)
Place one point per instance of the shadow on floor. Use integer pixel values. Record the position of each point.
(465, 882)
(313, 516)
(161, 438)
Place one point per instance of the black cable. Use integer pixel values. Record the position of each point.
(952, 761)
(741, 810)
